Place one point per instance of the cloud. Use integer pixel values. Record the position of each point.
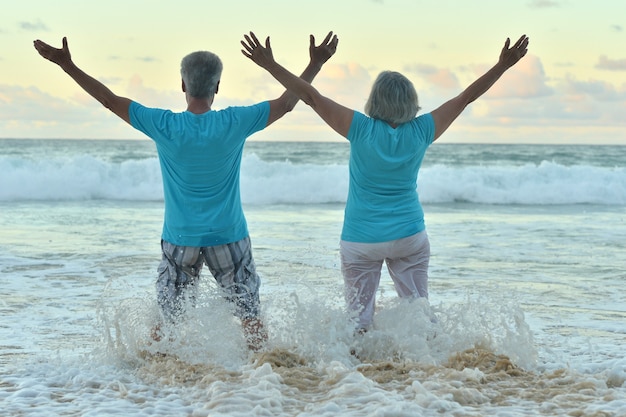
(617, 28)
(525, 97)
(543, 4)
(344, 79)
(604, 63)
(147, 59)
(573, 104)
(30, 112)
(37, 26)
(527, 79)
(21, 103)
(347, 84)
(109, 81)
(594, 89)
(441, 78)
(151, 97)
(592, 102)
(565, 64)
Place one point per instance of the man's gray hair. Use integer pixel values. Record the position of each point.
(393, 98)
(201, 71)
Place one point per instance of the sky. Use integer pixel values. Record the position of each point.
(570, 87)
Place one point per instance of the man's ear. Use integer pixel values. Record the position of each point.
(217, 87)
(183, 86)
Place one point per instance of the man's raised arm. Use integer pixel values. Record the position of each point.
(63, 58)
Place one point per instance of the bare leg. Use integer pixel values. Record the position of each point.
(357, 333)
(156, 333)
(255, 333)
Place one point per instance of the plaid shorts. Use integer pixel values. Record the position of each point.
(231, 265)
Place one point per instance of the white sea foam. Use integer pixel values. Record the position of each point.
(277, 182)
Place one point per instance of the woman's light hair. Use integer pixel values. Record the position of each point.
(201, 71)
(393, 98)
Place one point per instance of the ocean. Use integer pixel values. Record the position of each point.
(527, 283)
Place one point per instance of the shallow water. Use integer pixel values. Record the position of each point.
(530, 318)
(528, 299)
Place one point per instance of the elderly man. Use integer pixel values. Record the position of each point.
(200, 153)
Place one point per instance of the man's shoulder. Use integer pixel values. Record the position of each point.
(134, 105)
(138, 111)
(251, 113)
(264, 105)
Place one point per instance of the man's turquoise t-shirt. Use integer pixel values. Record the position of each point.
(200, 157)
(383, 203)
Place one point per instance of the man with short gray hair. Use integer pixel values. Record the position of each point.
(200, 153)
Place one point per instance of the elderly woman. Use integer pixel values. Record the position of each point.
(384, 221)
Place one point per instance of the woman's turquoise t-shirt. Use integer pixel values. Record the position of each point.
(383, 202)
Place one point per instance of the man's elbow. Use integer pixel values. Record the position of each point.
(118, 107)
(108, 102)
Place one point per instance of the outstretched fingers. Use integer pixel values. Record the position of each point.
(522, 42)
(43, 48)
(510, 55)
(49, 52)
(520, 47)
(330, 41)
(254, 41)
(248, 50)
(327, 38)
(254, 49)
(251, 43)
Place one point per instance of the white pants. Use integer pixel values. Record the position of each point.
(361, 263)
